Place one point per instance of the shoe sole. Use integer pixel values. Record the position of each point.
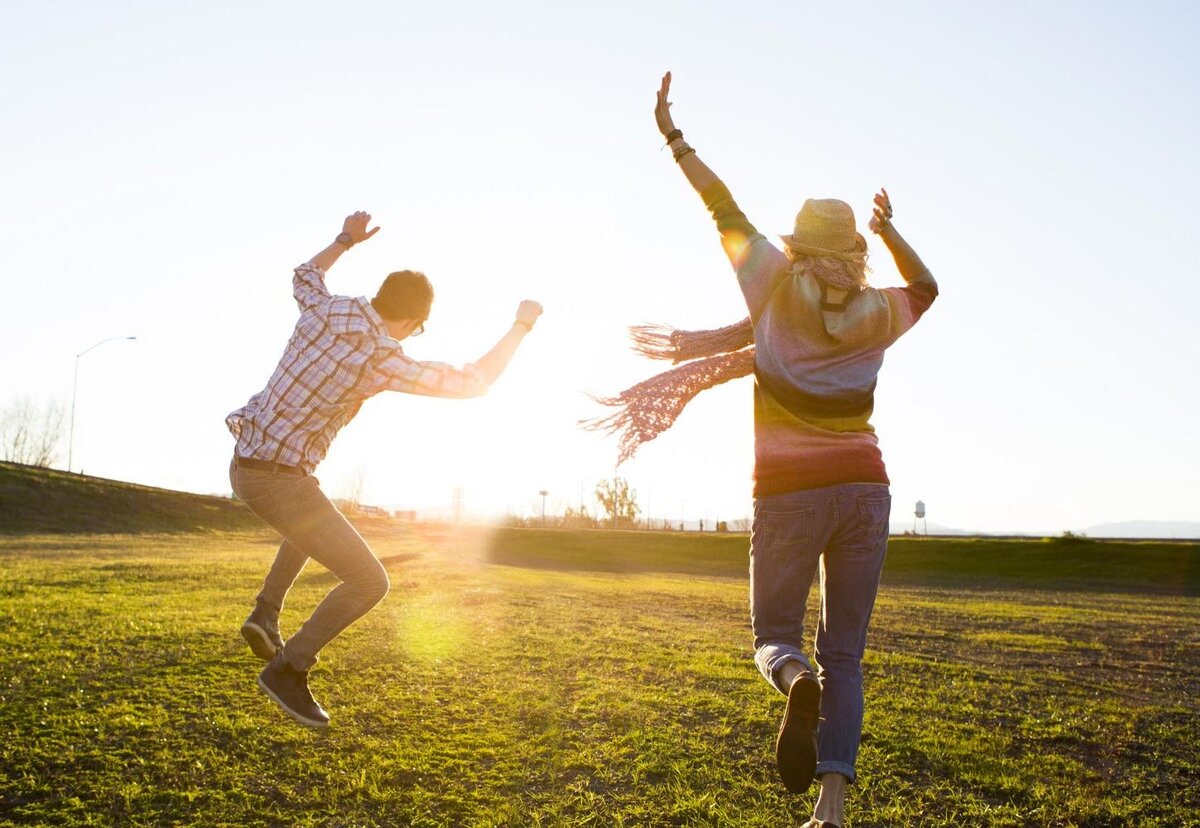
(299, 717)
(796, 747)
(260, 643)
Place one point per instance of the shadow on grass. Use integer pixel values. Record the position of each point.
(1067, 565)
(390, 562)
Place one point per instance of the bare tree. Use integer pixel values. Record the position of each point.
(618, 500)
(576, 518)
(352, 491)
(31, 434)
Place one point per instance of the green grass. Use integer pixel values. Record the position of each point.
(34, 499)
(526, 678)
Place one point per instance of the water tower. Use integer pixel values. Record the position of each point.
(919, 514)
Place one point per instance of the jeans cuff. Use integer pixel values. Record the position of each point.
(298, 661)
(268, 604)
(844, 768)
(771, 657)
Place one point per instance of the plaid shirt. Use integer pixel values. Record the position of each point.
(339, 355)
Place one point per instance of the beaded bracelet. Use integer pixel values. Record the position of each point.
(681, 152)
(674, 134)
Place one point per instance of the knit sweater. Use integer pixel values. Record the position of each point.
(817, 356)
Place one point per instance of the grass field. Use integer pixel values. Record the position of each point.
(525, 678)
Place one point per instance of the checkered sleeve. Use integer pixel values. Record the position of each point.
(308, 286)
(433, 379)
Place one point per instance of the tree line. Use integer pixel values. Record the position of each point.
(32, 434)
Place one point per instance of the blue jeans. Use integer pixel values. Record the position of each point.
(843, 530)
(311, 527)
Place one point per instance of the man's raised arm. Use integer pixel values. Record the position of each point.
(308, 283)
(354, 230)
(492, 364)
(438, 379)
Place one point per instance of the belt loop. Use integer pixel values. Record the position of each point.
(268, 466)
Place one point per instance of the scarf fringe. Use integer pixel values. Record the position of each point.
(665, 342)
(649, 408)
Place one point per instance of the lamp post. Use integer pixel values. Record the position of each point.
(543, 493)
(74, 389)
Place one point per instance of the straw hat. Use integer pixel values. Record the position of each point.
(825, 227)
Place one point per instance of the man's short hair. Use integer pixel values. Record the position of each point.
(405, 294)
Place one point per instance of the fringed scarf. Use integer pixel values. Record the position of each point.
(711, 358)
(649, 408)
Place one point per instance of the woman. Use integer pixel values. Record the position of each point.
(821, 494)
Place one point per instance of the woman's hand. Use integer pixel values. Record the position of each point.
(883, 212)
(662, 107)
(696, 171)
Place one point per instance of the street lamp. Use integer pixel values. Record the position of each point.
(74, 388)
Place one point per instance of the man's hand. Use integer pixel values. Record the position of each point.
(662, 108)
(527, 313)
(883, 212)
(355, 226)
(354, 230)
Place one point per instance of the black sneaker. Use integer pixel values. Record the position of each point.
(261, 631)
(796, 746)
(288, 687)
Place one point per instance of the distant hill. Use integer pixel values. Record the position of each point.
(1157, 529)
(48, 501)
(1126, 530)
(904, 527)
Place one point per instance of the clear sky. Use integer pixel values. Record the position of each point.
(165, 165)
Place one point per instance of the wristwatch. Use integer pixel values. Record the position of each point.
(344, 238)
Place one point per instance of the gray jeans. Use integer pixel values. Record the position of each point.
(311, 527)
(843, 531)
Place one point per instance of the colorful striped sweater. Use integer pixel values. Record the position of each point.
(817, 357)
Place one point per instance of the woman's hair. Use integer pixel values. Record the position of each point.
(836, 273)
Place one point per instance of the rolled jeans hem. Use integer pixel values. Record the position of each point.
(844, 768)
(300, 662)
(770, 657)
(267, 603)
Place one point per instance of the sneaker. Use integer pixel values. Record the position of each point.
(796, 746)
(288, 687)
(261, 631)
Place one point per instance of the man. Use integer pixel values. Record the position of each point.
(342, 351)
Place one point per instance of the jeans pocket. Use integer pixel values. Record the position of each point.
(874, 514)
(781, 533)
(264, 492)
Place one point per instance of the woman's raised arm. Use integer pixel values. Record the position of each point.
(907, 261)
(697, 172)
(737, 233)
